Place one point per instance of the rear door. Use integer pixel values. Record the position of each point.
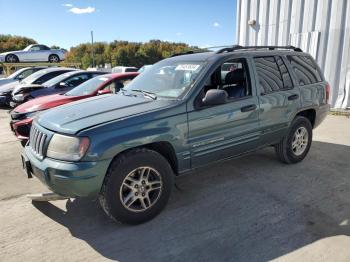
(279, 98)
(222, 131)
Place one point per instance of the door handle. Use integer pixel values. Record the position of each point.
(248, 108)
(293, 97)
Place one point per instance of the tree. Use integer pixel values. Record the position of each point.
(13, 43)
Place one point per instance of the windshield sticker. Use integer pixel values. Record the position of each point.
(187, 67)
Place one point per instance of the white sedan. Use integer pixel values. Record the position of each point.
(34, 53)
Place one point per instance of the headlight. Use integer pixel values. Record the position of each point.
(19, 97)
(67, 148)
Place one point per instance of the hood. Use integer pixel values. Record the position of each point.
(8, 87)
(4, 81)
(25, 87)
(74, 117)
(43, 103)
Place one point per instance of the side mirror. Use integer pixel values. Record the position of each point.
(62, 84)
(215, 97)
(104, 92)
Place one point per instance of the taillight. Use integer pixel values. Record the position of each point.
(328, 92)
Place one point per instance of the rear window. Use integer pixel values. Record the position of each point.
(272, 74)
(305, 69)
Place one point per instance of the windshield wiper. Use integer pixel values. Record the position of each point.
(146, 93)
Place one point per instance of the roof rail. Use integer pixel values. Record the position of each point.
(190, 52)
(238, 47)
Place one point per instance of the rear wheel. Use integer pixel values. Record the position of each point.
(137, 186)
(54, 59)
(11, 58)
(295, 145)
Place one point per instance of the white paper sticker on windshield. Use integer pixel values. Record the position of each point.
(187, 67)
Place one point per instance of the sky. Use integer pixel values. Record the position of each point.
(67, 23)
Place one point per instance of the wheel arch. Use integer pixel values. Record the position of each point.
(310, 114)
(164, 148)
(13, 55)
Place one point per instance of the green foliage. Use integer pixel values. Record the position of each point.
(125, 53)
(13, 43)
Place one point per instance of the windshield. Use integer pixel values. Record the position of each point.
(30, 79)
(18, 72)
(87, 87)
(57, 79)
(167, 78)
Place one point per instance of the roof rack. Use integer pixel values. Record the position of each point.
(190, 52)
(238, 47)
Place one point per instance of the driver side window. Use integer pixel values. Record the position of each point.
(232, 76)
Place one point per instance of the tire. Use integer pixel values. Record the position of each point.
(11, 58)
(54, 59)
(123, 180)
(294, 147)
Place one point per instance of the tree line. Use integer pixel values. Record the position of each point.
(124, 53)
(115, 53)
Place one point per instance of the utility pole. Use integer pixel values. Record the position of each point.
(92, 48)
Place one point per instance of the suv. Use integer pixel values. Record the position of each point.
(183, 113)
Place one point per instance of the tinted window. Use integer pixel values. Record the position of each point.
(76, 80)
(269, 74)
(48, 76)
(131, 70)
(305, 70)
(287, 80)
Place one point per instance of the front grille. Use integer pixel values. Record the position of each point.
(23, 130)
(37, 141)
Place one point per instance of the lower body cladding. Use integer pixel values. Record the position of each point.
(69, 179)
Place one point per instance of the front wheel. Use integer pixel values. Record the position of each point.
(295, 145)
(137, 186)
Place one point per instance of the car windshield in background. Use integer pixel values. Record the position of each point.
(58, 79)
(30, 79)
(16, 73)
(87, 87)
(167, 78)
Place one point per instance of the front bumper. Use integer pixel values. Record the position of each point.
(70, 179)
(5, 100)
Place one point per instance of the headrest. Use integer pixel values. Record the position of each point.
(234, 77)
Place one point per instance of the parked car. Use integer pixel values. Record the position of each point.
(59, 84)
(126, 149)
(36, 78)
(124, 69)
(34, 53)
(22, 116)
(20, 74)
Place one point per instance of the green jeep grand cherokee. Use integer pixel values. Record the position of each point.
(183, 113)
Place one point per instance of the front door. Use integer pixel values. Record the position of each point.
(229, 129)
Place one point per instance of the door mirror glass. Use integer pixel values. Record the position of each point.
(62, 84)
(215, 97)
(104, 92)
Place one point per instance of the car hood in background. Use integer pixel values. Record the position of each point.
(21, 87)
(45, 102)
(4, 81)
(8, 87)
(74, 117)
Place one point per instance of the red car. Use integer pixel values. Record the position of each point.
(22, 116)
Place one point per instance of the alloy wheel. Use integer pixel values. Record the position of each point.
(141, 189)
(300, 141)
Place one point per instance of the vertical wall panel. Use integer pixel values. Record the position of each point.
(320, 27)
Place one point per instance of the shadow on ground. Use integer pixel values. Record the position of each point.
(249, 209)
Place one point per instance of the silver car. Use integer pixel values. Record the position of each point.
(34, 53)
(20, 74)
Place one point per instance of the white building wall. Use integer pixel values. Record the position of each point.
(319, 27)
